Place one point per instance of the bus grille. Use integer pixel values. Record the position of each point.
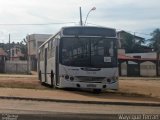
(90, 79)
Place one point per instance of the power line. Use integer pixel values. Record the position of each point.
(125, 30)
(37, 24)
(56, 23)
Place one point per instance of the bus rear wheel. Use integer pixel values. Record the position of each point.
(40, 76)
(52, 79)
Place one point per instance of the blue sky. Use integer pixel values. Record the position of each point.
(140, 16)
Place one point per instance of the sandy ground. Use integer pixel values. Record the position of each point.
(149, 87)
(127, 86)
(20, 81)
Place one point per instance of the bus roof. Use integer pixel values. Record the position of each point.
(87, 27)
(88, 31)
(85, 31)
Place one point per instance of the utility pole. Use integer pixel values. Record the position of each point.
(81, 22)
(29, 57)
(9, 47)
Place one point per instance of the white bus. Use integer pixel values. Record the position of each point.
(80, 57)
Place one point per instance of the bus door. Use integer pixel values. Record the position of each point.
(45, 64)
(57, 64)
(38, 69)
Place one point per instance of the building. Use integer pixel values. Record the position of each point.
(138, 64)
(137, 39)
(33, 43)
(3, 55)
(16, 54)
(135, 43)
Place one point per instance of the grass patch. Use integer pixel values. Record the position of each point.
(127, 94)
(22, 85)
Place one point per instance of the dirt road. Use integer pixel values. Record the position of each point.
(127, 86)
(149, 87)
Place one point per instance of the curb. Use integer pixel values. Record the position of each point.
(151, 104)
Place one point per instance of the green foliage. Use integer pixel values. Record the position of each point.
(155, 40)
(133, 44)
(128, 42)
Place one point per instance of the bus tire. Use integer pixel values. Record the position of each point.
(40, 76)
(52, 78)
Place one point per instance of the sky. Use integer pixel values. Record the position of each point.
(22, 17)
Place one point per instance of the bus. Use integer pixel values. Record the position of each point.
(82, 57)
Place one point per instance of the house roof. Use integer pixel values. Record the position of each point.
(124, 57)
(138, 37)
(2, 52)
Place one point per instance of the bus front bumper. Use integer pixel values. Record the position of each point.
(83, 85)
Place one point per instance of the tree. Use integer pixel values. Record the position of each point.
(155, 40)
(155, 43)
(132, 43)
(128, 42)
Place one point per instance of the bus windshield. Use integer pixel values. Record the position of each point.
(88, 52)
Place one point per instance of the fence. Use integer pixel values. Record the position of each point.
(18, 67)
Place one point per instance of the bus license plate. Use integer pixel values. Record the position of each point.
(91, 85)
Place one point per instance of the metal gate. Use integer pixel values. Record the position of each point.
(2, 64)
(133, 70)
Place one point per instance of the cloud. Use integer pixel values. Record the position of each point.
(131, 15)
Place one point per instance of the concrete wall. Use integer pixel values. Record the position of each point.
(124, 69)
(147, 69)
(18, 67)
(152, 55)
(34, 41)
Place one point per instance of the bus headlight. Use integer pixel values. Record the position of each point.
(114, 79)
(66, 77)
(71, 78)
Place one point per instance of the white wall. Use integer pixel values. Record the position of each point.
(124, 69)
(33, 40)
(147, 69)
(152, 55)
(20, 67)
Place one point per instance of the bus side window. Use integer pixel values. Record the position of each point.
(54, 43)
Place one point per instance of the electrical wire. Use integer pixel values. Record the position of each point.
(37, 24)
(125, 30)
